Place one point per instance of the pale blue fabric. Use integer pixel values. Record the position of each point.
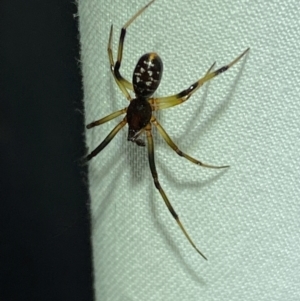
(246, 220)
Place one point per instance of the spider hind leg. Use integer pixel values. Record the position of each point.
(161, 191)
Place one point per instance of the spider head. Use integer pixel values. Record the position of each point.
(147, 75)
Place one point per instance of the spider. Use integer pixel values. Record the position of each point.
(145, 80)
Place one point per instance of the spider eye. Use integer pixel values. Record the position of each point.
(147, 74)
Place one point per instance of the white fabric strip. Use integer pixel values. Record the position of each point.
(246, 219)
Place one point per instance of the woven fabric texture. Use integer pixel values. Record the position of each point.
(245, 219)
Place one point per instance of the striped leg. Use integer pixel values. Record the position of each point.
(177, 150)
(115, 67)
(161, 191)
(176, 99)
(109, 137)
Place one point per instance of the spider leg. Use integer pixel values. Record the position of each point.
(161, 191)
(115, 67)
(210, 68)
(108, 138)
(177, 150)
(176, 99)
(106, 118)
(121, 82)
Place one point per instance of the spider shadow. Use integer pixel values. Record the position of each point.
(136, 157)
(193, 183)
(111, 167)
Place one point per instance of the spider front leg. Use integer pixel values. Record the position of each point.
(177, 150)
(121, 81)
(176, 99)
(115, 67)
(161, 191)
(106, 118)
(111, 135)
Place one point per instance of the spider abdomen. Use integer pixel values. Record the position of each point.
(147, 74)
